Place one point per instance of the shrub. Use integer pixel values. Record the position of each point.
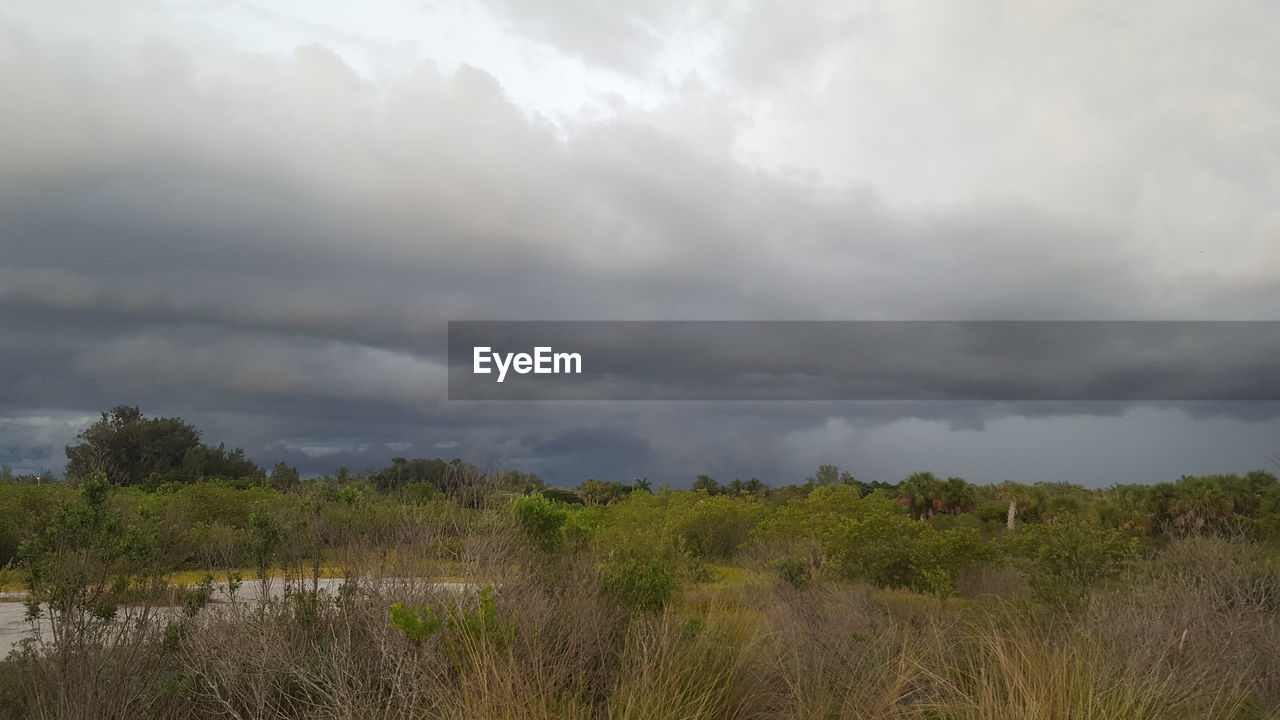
(418, 623)
(350, 494)
(794, 571)
(714, 527)
(640, 584)
(479, 628)
(822, 512)
(992, 514)
(1064, 560)
(467, 633)
(418, 493)
(85, 562)
(568, 497)
(895, 551)
(540, 519)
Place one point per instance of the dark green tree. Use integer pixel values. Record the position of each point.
(284, 476)
(129, 447)
(958, 496)
(707, 484)
(922, 493)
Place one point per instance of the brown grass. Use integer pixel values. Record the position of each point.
(1192, 634)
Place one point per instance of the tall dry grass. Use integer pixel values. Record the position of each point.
(1193, 634)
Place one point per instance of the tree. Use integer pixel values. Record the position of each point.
(826, 475)
(207, 461)
(284, 476)
(707, 484)
(958, 496)
(922, 493)
(1203, 501)
(756, 487)
(447, 477)
(1012, 493)
(599, 492)
(520, 481)
(642, 485)
(402, 472)
(129, 447)
(562, 495)
(831, 475)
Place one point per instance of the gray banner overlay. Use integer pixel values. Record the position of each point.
(944, 360)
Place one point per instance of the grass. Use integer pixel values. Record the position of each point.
(1191, 633)
(11, 579)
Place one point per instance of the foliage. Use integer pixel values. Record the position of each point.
(445, 476)
(540, 519)
(713, 527)
(418, 623)
(561, 495)
(1065, 560)
(707, 484)
(466, 632)
(642, 584)
(284, 476)
(480, 627)
(895, 551)
(600, 492)
(815, 517)
(922, 494)
(795, 571)
(129, 447)
(84, 562)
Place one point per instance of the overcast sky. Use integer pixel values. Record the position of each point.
(260, 215)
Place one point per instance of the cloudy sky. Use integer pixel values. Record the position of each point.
(260, 215)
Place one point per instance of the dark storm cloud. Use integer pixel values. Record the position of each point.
(271, 246)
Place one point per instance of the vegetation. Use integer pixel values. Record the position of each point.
(167, 584)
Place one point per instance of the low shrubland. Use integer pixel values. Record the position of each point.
(205, 600)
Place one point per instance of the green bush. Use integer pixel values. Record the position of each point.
(895, 551)
(1064, 560)
(540, 519)
(713, 527)
(418, 623)
(25, 509)
(640, 584)
(822, 512)
(418, 493)
(479, 627)
(86, 561)
(794, 571)
(992, 514)
(466, 632)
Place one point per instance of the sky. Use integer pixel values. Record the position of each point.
(260, 216)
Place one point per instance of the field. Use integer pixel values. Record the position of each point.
(814, 601)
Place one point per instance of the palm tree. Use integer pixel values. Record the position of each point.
(707, 484)
(957, 496)
(1014, 494)
(1201, 502)
(923, 492)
